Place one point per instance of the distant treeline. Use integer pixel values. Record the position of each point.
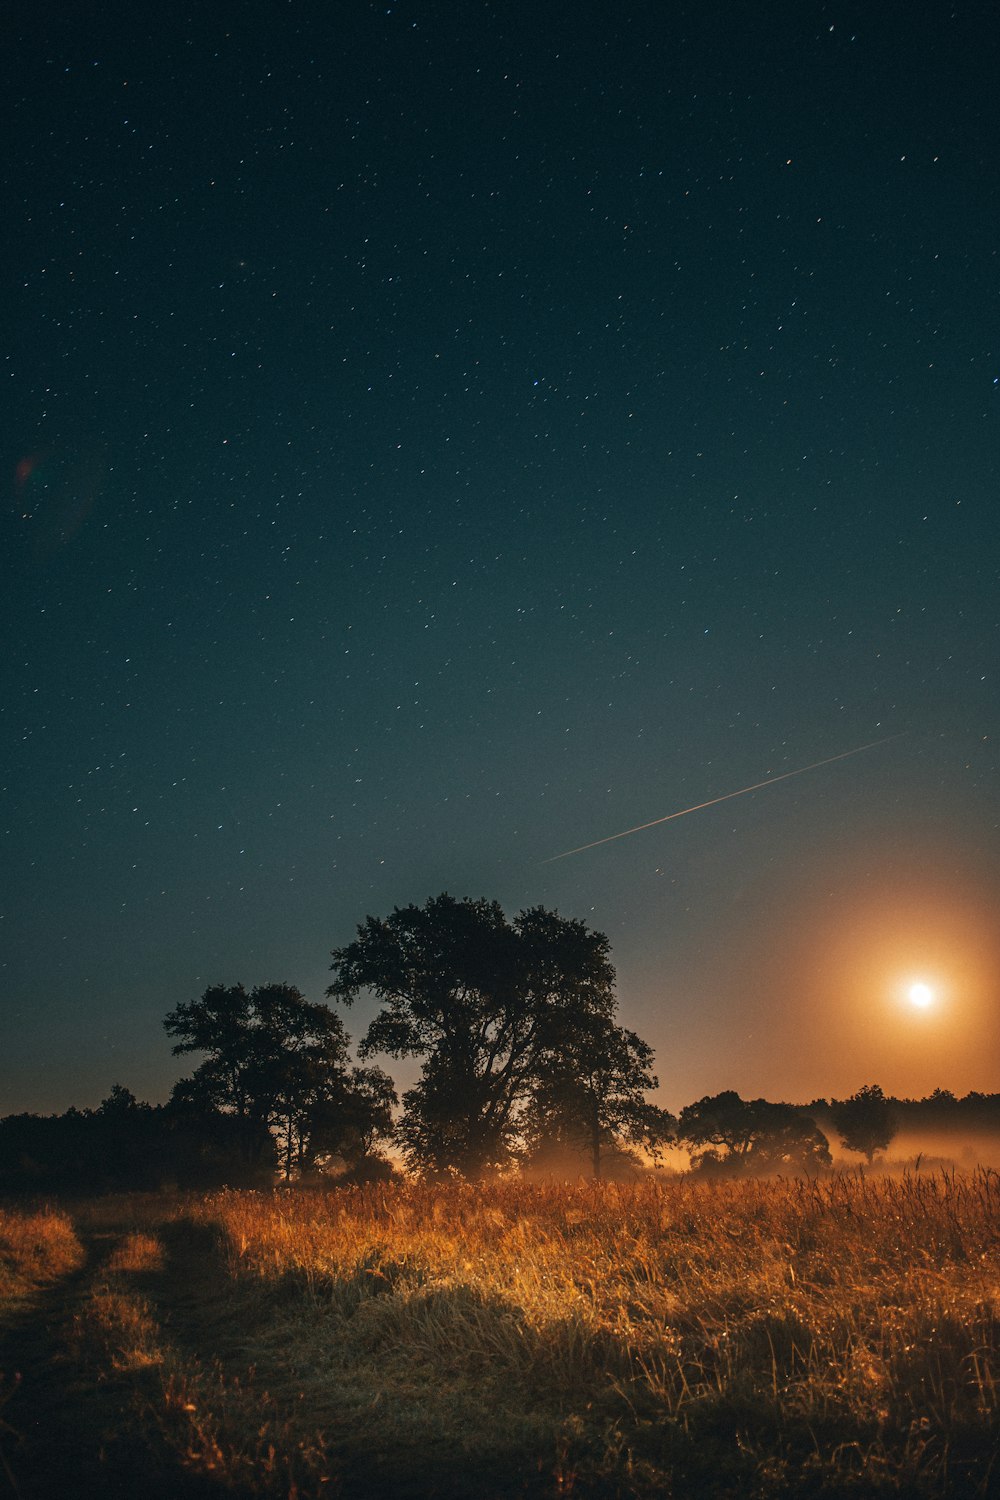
(123, 1145)
(126, 1145)
(941, 1111)
(941, 1124)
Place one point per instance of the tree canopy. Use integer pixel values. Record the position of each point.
(864, 1121)
(496, 1009)
(751, 1136)
(590, 1095)
(278, 1064)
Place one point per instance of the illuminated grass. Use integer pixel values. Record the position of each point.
(35, 1247)
(730, 1339)
(623, 1334)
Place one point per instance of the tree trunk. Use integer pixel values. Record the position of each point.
(595, 1139)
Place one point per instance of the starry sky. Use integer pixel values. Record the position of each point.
(438, 436)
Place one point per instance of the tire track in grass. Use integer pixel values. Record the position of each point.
(257, 1441)
(74, 1420)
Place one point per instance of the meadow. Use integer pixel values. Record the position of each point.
(667, 1337)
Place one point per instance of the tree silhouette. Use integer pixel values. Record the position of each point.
(864, 1121)
(751, 1136)
(277, 1064)
(482, 1000)
(345, 1116)
(590, 1094)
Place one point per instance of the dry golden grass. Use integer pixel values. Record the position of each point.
(782, 1338)
(783, 1334)
(35, 1247)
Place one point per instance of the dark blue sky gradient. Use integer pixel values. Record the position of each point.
(437, 436)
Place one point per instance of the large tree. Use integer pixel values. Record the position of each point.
(277, 1064)
(482, 1001)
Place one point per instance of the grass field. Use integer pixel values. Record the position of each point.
(653, 1339)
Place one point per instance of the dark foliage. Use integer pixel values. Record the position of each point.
(865, 1122)
(590, 1097)
(508, 1017)
(277, 1067)
(733, 1136)
(122, 1145)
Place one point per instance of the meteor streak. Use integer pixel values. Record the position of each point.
(726, 796)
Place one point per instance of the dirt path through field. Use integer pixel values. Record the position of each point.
(74, 1428)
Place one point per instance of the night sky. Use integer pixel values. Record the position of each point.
(437, 436)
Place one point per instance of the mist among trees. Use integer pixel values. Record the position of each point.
(524, 1066)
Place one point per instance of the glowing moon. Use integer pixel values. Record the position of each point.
(921, 995)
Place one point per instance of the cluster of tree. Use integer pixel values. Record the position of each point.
(276, 1092)
(123, 1145)
(277, 1068)
(522, 1061)
(514, 1023)
(870, 1120)
(729, 1135)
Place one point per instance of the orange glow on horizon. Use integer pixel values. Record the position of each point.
(912, 972)
(889, 975)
